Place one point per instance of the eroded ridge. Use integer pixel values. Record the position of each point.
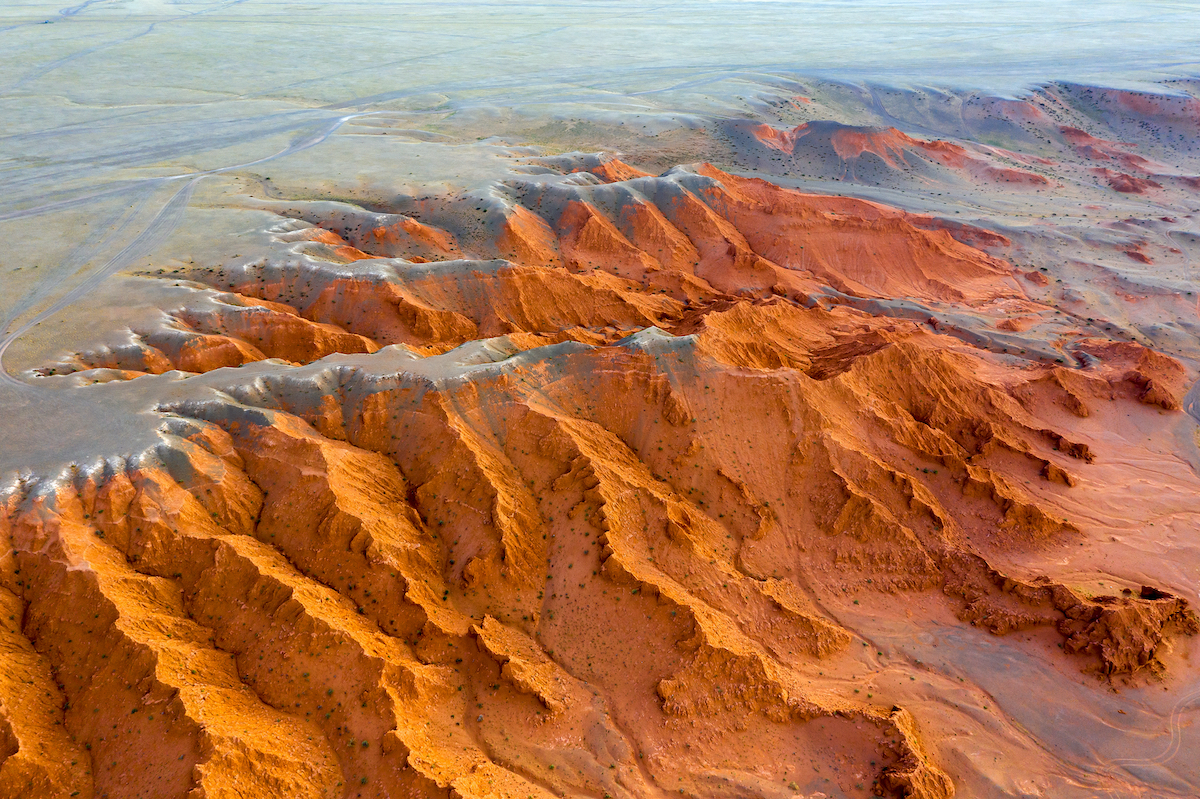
(572, 520)
(589, 256)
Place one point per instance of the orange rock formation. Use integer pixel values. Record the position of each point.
(843, 150)
(593, 554)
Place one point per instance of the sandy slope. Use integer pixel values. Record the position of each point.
(625, 485)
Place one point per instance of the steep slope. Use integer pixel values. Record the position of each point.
(581, 508)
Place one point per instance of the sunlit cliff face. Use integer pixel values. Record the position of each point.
(828, 440)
